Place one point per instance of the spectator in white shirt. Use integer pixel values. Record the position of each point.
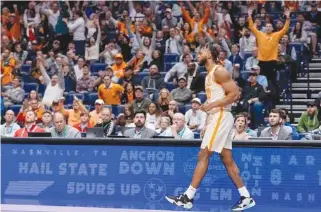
(173, 45)
(78, 29)
(251, 61)
(247, 41)
(79, 68)
(153, 116)
(53, 14)
(179, 128)
(194, 117)
(9, 128)
(227, 64)
(164, 129)
(55, 86)
(109, 53)
(92, 52)
(179, 69)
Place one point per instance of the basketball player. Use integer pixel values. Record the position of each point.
(221, 92)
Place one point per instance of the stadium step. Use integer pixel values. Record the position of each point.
(305, 85)
(304, 95)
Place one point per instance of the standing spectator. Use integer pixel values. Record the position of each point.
(95, 115)
(9, 128)
(14, 95)
(182, 94)
(86, 82)
(179, 69)
(314, 17)
(130, 77)
(247, 42)
(169, 20)
(140, 131)
(61, 129)
(78, 30)
(154, 81)
(119, 67)
(129, 94)
(153, 116)
(253, 97)
(194, 117)
(29, 126)
(109, 92)
(309, 119)
(8, 63)
(33, 105)
(164, 98)
(107, 124)
(54, 86)
(179, 128)
(73, 115)
(92, 52)
(79, 68)
(267, 45)
(173, 44)
(195, 81)
(239, 133)
(164, 129)
(253, 60)
(84, 123)
(13, 25)
(307, 27)
(140, 103)
(46, 119)
(147, 45)
(276, 131)
(109, 53)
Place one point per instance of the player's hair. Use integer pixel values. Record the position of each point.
(213, 50)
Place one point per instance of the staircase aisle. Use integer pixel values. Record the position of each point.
(300, 90)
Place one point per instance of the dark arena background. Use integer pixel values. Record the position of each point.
(76, 75)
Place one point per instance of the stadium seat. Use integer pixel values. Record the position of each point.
(203, 74)
(201, 96)
(25, 69)
(70, 97)
(15, 109)
(97, 67)
(187, 107)
(155, 96)
(168, 66)
(142, 74)
(181, 109)
(171, 58)
(41, 89)
(170, 86)
(30, 86)
(163, 74)
(197, 135)
(92, 98)
(247, 55)
(120, 109)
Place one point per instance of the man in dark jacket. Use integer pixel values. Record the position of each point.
(130, 77)
(253, 97)
(154, 81)
(195, 82)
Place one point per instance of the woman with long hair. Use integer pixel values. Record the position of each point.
(153, 115)
(129, 113)
(129, 95)
(299, 35)
(164, 98)
(92, 51)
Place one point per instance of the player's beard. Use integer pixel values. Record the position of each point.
(202, 62)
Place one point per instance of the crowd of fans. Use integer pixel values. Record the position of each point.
(130, 67)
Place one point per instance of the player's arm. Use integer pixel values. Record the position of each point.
(223, 78)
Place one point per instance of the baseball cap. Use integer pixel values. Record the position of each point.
(139, 88)
(311, 103)
(168, 10)
(99, 101)
(182, 78)
(197, 100)
(255, 67)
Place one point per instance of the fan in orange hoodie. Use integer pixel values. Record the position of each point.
(119, 66)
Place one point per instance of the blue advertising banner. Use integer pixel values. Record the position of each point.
(141, 176)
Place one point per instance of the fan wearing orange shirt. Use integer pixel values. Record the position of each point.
(30, 125)
(119, 66)
(109, 92)
(7, 65)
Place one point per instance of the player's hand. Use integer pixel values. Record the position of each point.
(206, 107)
(203, 132)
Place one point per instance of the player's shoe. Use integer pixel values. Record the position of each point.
(243, 204)
(181, 200)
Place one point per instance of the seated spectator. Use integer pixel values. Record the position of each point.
(225, 62)
(20, 55)
(33, 95)
(307, 27)
(164, 129)
(86, 82)
(276, 131)
(73, 115)
(15, 94)
(29, 125)
(182, 94)
(119, 67)
(120, 124)
(129, 95)
(251, 61)
(130, 77)
(172, 109)
(140, 103)
(299, 35)
(261, 79)
(157, 60)
(9, 128)
(79, 68)
(284, 116)
(107, 124)
(46, 119)
(179, 128)
(110, 92)
(95, 115)
(129, 113)
(61, 129)
(195, 82)
(164, 98)
(179, 69)
(33, 105)
(239, 133)
(309, 119)
(253, 97)
(84, 123)
(194, 117)
(249, 131)
(154, 81)
(54, 86)
(140, 131)
(153, 115)
(8, 64)
(235, 57)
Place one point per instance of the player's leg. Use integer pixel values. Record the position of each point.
(246, 201)
(186, 200)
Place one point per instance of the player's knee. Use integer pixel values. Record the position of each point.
(228, 162)
(204, 154)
